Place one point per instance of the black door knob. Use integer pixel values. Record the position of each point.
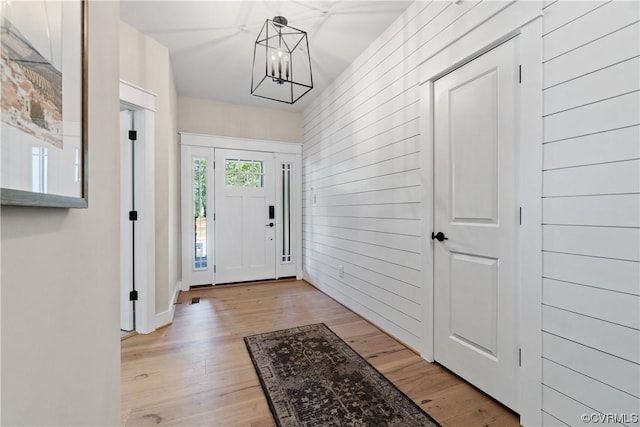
(269, 225)
(439, 236)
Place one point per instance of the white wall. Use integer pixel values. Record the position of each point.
(145, 62)
(591, 210)
(60, 290)
(362, 171)
(209, 117)
(362, 188)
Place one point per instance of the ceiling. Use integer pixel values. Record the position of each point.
(211, 42)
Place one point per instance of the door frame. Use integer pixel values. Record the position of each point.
(142, 103)
(522, 21)
(287, 151)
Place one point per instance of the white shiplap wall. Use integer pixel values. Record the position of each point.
(362, 203)
(591, 210)
(362, 173)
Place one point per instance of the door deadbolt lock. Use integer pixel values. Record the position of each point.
(271, 224)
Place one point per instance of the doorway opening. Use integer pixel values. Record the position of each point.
(137, 210)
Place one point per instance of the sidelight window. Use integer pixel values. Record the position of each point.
(286, 213)
(200, 213)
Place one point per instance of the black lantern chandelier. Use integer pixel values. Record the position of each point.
(281, 62)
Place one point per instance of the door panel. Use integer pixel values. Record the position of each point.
(244, 190)
(474, 301)
(474, 148)
(475, 274)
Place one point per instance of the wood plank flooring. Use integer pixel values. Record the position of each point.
(197, 371)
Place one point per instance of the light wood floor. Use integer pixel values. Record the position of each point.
(197, 370)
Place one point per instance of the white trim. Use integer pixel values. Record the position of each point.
(166, 317)
(145, 200)
(298, 216)
(427, 170)
(530, 182)
(520, 19)
(137, 97)
(214, 141)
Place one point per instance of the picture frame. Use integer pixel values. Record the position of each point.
(44, 139)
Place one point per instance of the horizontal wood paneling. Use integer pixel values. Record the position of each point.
(603, 367)
(405, 162)
(408, 227)
(616, 80)
(338, 154)
(621, 178)
(612, 210)
(562, 13)
(591, 26)
(591, 393)
(604, 147)
(601, 53)
(565, 409)
(614, 307)
(610, 338)
(382, 253)
(390, 240)
(601, 116)
(400, 272)
(383, 281)
(606, 242)
(391, 299)
(406, 329)
(591, 210)
(616, 275)
(392, 195)
(551, 421)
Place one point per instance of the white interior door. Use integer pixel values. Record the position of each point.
(244, 215)
(476, 210)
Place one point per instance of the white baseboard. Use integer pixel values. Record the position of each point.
(166, 317)
(183, 286)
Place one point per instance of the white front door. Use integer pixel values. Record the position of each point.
(244, 216)
(476, 210)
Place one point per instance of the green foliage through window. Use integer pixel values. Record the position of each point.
(244, 173)
(200, 188)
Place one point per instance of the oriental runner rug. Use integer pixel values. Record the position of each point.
(312, 378)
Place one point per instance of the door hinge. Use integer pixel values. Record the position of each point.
(214, 216)
(133, 135)
(520, 215)
(214, 164)
(519, 73)
(520, 357)
(133, 215)
(133, 296)
(214, 268)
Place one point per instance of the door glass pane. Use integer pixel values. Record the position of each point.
(200, 213)
(244, 173)
(286, 213)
